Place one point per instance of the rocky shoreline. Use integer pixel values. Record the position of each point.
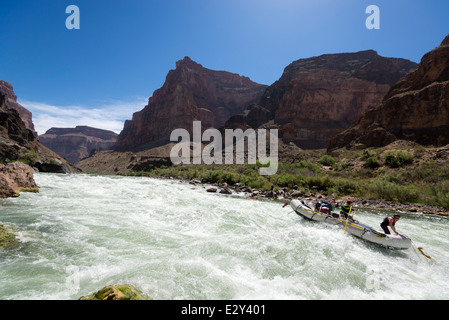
(287, 195)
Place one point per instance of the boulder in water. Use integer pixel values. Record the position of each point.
(119, 292)
(16, 177)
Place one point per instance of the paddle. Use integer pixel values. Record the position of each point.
(286, 204)
(420, 249)
(348, 218)
(425, 255)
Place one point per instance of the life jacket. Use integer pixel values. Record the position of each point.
(345, 208)
(323, 207)
(325, 210)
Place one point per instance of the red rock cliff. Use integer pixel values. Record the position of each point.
(17, 141)
(318, 97)
(416, 108)
(14, 136)
(190, 92)
(25, 114)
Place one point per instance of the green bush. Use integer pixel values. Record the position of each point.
(366, 154)
(327, 160)
(29, 158)
(443, 201)
(286, 180)
(372, 163)
(398, 159)
(346, 187)
(383, 189)
(321, 182)
(440, 194)
(258, 183)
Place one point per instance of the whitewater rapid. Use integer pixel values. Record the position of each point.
(176, 241)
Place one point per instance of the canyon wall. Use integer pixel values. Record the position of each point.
(416, 108)
(318, 97)
(190, 92)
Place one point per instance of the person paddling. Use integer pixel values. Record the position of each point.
(390, 222)
(346, 208)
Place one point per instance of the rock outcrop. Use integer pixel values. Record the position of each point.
(16, 177)
(119, 292)
(18, 142)
(318, 97)
(24, 114)
(14, 136)
(77, 143)
(416, 109)
(190, 92)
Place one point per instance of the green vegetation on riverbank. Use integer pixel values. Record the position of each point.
(414, 175)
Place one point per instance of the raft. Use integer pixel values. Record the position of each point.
(306, 209)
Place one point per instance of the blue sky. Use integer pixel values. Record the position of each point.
(102, 73)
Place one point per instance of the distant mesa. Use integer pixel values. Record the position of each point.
(77, 143)
(416, 108)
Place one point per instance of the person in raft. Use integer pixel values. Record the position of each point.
(390, 222)
(346, 208)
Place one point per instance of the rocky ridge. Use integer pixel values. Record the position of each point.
(416, 109)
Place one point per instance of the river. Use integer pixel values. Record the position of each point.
(175, 241)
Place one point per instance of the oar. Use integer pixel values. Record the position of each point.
(348, 217)
(421, 250)
(425, 255)
(286, 204)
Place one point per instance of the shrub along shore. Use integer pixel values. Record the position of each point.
(414, 179)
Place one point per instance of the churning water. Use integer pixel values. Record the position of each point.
(174, 240)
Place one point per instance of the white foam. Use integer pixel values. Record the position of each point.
(173, 241)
